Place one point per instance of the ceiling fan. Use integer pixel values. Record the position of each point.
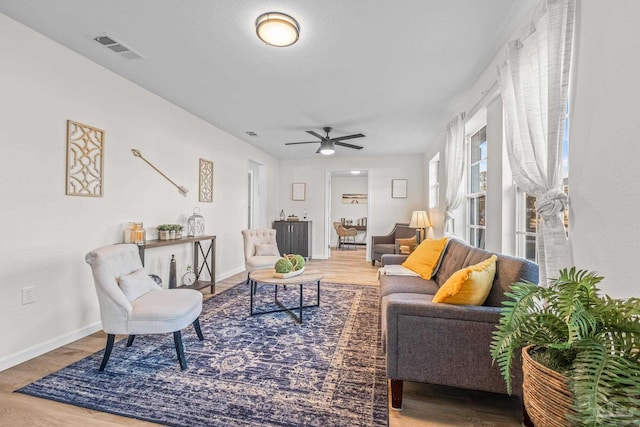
(327, 144)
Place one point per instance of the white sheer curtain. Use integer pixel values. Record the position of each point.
(454, 158)
(534, 85)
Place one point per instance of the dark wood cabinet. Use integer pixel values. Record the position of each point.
(293, 237)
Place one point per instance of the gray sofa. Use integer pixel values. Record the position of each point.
(386, 244)
(442, 343)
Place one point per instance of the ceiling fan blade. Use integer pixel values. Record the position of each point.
(342, 138)
(317, 135)
(344, 144)
(307, 142)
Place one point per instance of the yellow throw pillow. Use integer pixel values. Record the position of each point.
(424, 259)
(406, 246)
(469, 285)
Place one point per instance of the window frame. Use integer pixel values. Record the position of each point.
(476, 232)
(434, 181)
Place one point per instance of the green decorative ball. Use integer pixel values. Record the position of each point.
(283, 265)
(300, 263)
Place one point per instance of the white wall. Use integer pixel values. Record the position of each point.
(383, 211)
(604, 151)
(604, 156)
(42, 85)
(349, 211)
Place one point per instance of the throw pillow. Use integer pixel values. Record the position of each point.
(136, 284)
(469, 285)
(425, 259)
(408, 245)
(267, 249)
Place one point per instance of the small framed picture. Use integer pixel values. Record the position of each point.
(298, 191)
(399, 188)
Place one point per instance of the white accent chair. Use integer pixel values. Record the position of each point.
(260, 250)
(132, 303)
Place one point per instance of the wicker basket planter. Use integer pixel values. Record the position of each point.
(545, 393)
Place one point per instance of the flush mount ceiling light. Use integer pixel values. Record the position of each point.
(355, 172)
(277, 29)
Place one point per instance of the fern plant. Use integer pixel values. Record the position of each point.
(593, 340)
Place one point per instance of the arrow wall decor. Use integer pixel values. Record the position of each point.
(180, 188)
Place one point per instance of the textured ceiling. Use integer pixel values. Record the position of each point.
(392, 70)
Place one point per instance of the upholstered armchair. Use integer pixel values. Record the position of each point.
(386, 244)
(132, 303)
(260, 249)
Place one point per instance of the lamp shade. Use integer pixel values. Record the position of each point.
(419, 219)
(277, 29)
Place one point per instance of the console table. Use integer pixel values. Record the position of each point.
(208, 257)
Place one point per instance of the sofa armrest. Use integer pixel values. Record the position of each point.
(391, 259)
(375, 240)
(440, 343)
(397, 304)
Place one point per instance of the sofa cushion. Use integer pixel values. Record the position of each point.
(406, 284)
(426, 257)
(469, 285)
(508, 271)
(385, 248)
(458, 254)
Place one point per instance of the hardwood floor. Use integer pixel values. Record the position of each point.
(424, 405)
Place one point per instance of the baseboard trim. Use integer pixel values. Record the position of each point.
(45, 347)
(15, 359)
(229, 274)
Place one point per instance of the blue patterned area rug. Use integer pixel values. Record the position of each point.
(263, 370)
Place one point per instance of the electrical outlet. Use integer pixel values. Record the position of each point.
(28, 295)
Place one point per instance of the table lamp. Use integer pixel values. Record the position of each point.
(419, 221)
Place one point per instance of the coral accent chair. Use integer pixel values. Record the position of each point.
(132, 303)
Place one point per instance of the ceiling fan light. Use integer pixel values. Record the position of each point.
(326, 148)
(277, 29)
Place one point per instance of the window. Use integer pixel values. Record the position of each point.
(477, 188)
(527, 219)
(526, 226)
(434, 181)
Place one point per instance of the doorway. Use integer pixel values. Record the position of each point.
(256, 213)
(347, 202)
(250, 199)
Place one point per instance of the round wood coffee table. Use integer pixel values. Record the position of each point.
(266, 277)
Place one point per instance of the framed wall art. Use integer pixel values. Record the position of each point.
(298, 191)
(206, 181)
(399, 188)
(354, 199)
(85, 154)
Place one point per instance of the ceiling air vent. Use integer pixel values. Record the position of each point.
(118, 47)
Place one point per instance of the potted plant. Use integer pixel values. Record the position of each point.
(163, 231)
(591, 341)
(177, 231)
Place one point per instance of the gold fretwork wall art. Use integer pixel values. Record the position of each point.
(85, 148)
(206, 181)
